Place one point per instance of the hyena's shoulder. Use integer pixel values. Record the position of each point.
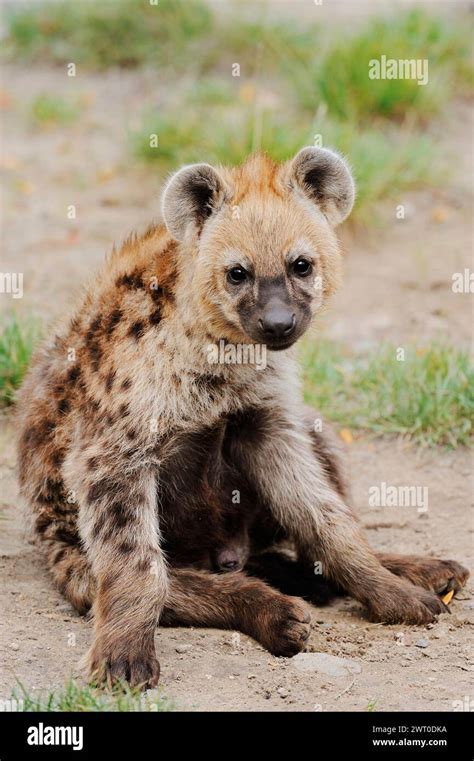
(87, 367)
(128, 297)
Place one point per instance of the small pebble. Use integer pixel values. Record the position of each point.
(14, 646)
(183, 648)
(421, 643)
(282, 692)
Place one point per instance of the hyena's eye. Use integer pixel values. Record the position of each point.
(237, 275)
(302, 267)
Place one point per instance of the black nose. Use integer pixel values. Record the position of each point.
(278, 322)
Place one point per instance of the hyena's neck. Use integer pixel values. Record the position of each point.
(193, 332)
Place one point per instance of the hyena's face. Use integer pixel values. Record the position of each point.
(265, 256)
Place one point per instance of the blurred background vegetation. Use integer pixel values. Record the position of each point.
(301, 80)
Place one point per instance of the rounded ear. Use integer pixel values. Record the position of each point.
(190, 196)
(326, 179)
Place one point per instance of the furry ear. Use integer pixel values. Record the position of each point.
(190, 196)
(325, 178)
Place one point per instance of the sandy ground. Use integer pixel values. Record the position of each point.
(397, 287)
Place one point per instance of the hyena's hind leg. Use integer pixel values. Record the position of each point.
(72, 574)
(51, 515)
(440, 576)
(67, 563)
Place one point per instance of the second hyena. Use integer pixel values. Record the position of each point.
(131, 441)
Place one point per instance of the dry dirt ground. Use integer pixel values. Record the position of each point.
(397, 287)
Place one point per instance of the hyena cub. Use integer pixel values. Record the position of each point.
(131, 441)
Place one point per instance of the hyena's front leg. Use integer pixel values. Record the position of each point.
(274, 448)
(118, 526)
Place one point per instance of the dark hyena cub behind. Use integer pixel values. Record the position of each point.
(132, 442)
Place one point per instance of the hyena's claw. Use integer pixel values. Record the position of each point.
(139, 671)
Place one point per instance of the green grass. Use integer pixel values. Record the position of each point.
(264, 47)
(216, 135)
(80, 698)
(124, 33)
(429, 397)
(17, 342)
(339, 77)
(53, 111)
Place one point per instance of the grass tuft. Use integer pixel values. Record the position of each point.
(17, 342)
(340, 77)
(84, 698)
(428, 397)
(49, 111)
(216, 135)
(123, 33)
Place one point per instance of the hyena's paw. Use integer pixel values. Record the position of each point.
(283, 625)
(116, 665)
(440, 576)
(404, 603)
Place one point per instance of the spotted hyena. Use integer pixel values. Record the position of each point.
(147, 467)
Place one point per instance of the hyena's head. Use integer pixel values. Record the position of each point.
(258, 241)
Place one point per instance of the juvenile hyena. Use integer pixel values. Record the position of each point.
(133, 445)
